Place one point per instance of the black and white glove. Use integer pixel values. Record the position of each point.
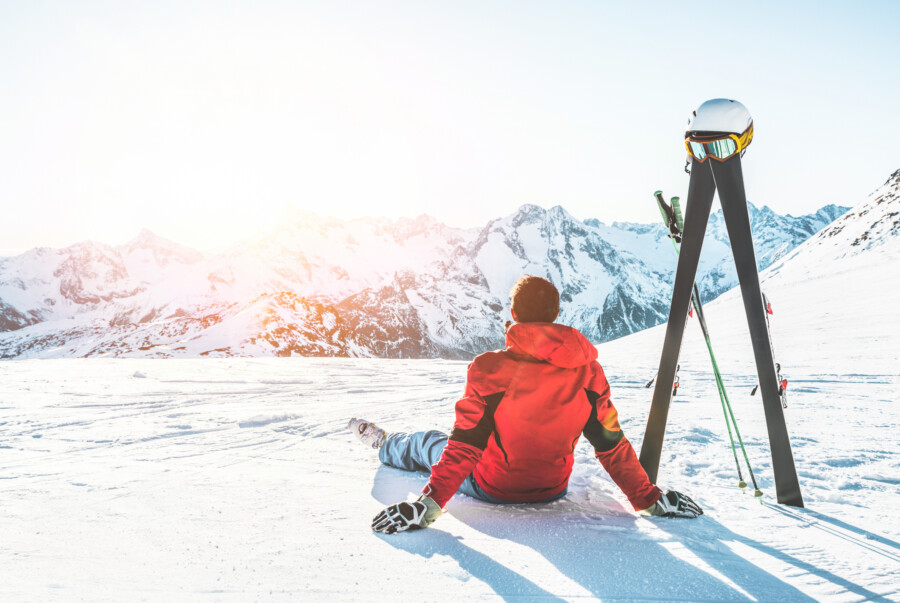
(674, 504)
(415, 515)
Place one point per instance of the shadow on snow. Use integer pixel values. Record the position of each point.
(607, 555)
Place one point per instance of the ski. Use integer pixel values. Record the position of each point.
(673, 214)
(719, 132)
(701, 190)
(729, 180)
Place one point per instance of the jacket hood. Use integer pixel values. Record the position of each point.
(559, 345)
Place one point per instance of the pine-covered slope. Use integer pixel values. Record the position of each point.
(319, 286)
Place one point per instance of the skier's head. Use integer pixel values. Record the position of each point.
(534, 299)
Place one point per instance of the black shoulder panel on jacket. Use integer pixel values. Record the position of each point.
(479, 435)
(599, 436)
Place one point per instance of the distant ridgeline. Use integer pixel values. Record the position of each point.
(407, 288)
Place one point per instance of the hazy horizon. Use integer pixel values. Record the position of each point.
(200, 120)
(285, 213)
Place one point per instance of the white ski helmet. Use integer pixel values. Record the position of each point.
(720, 115)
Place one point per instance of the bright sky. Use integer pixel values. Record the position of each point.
(202, 120)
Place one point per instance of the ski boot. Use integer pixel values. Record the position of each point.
(367, 432)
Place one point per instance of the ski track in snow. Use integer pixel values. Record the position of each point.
(236, 479)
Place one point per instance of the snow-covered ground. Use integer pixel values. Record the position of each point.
(235, 479)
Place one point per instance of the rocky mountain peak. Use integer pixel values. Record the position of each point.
(526, 214)
(894, 179)
(145, 238)
(164, 250)
(558, 212)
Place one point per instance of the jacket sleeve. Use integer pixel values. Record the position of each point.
(612, 448)
(472, 429)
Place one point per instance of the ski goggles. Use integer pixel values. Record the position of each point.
(718, 147)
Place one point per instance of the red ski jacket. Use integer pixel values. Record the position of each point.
(522, 414)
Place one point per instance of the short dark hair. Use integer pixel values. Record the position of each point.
(534, 299)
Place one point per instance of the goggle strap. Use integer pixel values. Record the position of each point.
(741, 143)
(738, 147)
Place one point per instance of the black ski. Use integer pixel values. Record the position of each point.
(729, 180)
(701, 191)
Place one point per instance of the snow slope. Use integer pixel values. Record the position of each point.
(235, 479)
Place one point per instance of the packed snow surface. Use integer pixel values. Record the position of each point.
(235, 479)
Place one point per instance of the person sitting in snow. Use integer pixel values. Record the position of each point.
(516, 427)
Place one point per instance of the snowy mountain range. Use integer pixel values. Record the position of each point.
(317, 286)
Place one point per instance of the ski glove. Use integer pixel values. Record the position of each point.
(407, 516)
(674, 504)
